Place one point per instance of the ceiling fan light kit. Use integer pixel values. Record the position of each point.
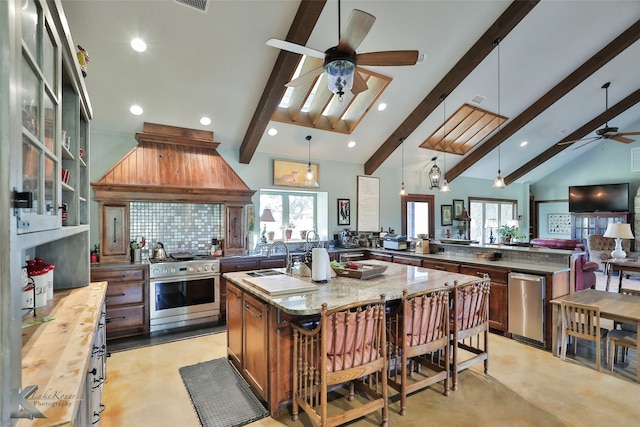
(339, 68)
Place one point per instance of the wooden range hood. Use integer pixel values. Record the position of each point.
(173, 164)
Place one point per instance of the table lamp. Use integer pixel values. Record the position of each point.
(618, 232)
(491, 224)
(266, 216)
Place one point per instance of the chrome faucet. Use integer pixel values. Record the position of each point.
(286, 248)
(315, 236)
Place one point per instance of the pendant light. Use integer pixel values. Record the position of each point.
(402, 190)
(310, 179)
(434, 175)
(445, 184)
(498, 182)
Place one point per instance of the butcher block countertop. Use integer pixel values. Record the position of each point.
(55, 354)
(344, 290)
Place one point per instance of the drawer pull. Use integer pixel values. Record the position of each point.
(93, 371)
(116, 295)
(100, 381)
(247, 308)
(238, 296)
(109, 319)
(98, 414)
(440, 267)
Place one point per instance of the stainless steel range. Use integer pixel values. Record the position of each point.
(184, 289)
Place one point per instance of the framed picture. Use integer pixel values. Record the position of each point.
(344, 212)
(294, 174)
(559, 223)
(458, 207)
(445, 215)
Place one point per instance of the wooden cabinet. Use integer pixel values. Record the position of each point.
(399, 259)
(498, 299)
(381, 256)
(127, 297)
(247, 319)
(234, 242)
(442, 266)
(114, 232)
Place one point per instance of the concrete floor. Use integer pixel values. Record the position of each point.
(526, 386)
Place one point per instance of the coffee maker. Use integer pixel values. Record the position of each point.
(349, 239)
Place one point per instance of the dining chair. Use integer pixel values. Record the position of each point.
(418, 338)
(470, 326)
(582, 321)
(347, 346)
(623, 335)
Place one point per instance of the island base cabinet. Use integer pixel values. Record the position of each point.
(247, 322)
(255, 343)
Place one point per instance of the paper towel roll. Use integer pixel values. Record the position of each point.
(320, 266)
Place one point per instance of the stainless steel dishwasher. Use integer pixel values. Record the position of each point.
(526, 306)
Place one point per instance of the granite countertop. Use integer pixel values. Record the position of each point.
(55, 354)
(344, 290)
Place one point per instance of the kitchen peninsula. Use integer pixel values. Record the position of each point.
(259, 338)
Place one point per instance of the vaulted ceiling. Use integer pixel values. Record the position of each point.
(554, 56)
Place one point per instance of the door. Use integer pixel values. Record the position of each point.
(235, 231)
(114, 233)
(255, 343)
(234, 324)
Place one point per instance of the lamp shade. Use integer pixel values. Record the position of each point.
(620, 231)
(464, 216)
(491, 223)
(267, 216)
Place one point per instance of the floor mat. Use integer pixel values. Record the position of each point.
(219, 395)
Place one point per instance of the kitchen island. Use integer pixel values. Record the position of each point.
(259, 338)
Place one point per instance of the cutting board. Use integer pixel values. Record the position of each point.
(279, 284)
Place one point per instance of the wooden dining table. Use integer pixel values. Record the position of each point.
(615, 306)
(628, 265)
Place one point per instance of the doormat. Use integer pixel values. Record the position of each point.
(220, 396)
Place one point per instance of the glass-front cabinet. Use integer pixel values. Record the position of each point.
(55, 127)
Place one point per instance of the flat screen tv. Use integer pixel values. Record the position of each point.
(599, 198)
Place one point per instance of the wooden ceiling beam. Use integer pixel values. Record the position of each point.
(606, 54)
(303, 24)
(583, 131)
(474, 56)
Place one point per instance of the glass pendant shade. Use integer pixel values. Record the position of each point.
(339, 74)
(445, 186)
(499, 181)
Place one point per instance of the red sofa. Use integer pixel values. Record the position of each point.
(585, 276)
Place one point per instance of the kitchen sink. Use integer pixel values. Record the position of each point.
(260, 273)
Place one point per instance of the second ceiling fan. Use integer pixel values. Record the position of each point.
(605, 132)
(341, 61)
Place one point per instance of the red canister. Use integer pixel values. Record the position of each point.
(39, 275)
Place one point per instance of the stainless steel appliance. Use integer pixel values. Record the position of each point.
(526, 306)
(184, 289)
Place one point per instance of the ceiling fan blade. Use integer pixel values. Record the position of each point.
(621, 138)
(295, 48)
(357, 28)
(359, 85)
(587, 143)
(590, 139)
(305, 78)
(629, 133)
(389, 57)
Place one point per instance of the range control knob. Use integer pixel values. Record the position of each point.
(173, 270)
(206, 268)
(156, 271)
(164, 271)
(199, 268)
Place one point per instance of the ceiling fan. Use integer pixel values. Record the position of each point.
(606, 132)
(341, 61)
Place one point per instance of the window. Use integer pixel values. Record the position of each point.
(418, 215)
(291, 210)
(480, 210)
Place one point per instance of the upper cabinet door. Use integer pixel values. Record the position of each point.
(40, 100)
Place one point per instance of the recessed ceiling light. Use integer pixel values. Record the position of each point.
(205, 121)
(136, 110)
(421, 58)
(138, 45)
(351, 144)
(523, 143)
(382, 106)
(272, 132)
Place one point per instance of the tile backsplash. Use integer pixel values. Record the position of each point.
(181, 227)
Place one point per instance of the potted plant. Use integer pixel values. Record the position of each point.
(288, 229)
(509, 232)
